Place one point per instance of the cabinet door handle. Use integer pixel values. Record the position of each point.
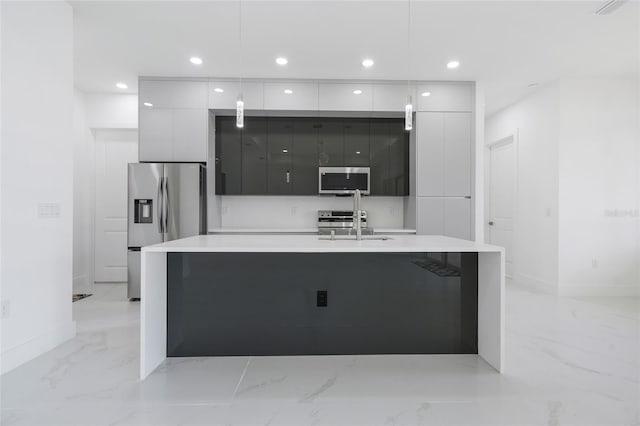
(288, 177)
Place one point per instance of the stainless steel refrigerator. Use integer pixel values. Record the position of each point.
(167, 201)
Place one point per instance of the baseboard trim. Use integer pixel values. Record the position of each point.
(530, 283)
(25, 352)
(598, 290)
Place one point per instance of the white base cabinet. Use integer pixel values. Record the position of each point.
(444, 216)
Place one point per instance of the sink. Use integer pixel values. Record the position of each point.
(353, 238)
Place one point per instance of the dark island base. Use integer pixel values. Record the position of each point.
(268, 303)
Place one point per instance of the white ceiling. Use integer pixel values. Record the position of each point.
(506, 45)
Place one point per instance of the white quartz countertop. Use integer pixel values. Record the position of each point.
(312, 244)
(298, 231)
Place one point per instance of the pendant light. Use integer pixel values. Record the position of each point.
(408, 108)
(240, 101)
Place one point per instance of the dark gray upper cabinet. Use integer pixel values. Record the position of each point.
(356, 142)
(305, 156)
(281, 156)
(254, 157)
(228, 157)
(330, 142)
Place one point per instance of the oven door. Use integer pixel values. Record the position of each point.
(343, 180)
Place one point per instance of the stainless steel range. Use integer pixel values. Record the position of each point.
(341, 222)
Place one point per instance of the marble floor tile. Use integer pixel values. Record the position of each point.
(569, 362)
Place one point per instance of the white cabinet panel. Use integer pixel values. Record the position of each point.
(299, 96)
(430, 154)
(156, 135)
(391, 97)
(443, 146)
(227, 92)
(445, 97)
(190, 134)
(341, 97)
(457, 154)
(457, 218)
(429, 216)
(173, 94)
(444, 216)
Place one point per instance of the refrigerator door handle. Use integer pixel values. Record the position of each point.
(159, 208)
(167, 206)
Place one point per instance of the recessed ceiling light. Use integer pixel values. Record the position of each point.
(195, 60)
(282, 61)
(218, 90)
(358, 152)
(357, 92)
(285, 150)
(425, 94)
(288, 91)
(121, 86)
(148, 104)
(532, 85)
(367, 63)
(453, 64)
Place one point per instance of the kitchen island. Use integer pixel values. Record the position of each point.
(217, 295)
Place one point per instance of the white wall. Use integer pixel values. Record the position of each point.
(83, 198)
(534, 122)
(37, 167)
(112, 111)
(301, 212)
(578, 163)
(599, 162)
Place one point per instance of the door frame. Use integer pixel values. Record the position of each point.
(509, 138)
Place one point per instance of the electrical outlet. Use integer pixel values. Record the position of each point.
(48, 210)
(294, 211)
(225, 210)
(594, 264)
(548, 212)
(321, 298)
(392, 211)
(6, 309)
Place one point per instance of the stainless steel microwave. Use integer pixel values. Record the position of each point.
(343, 180)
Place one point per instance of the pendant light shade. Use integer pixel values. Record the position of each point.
(408, 116)
(240, 113)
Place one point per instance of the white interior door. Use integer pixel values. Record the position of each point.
(114, 150)
(502, 198)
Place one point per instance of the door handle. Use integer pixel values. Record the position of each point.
(288, 177)
(490, 223)
(167, 205)
(160, 207)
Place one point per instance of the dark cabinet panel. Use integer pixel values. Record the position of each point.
(229, 157)
(305, 156)
(356, 142)
(398, 159)
(280, 158)
(254, 156)
(379, 143)
(331, 142)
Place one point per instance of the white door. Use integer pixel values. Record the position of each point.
(114, 150)
(502, 197)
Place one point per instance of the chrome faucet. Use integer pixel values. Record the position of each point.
(357, 213)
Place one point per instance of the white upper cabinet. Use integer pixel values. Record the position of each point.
(391, 97)
(345, 97)
(224, 94)
(445, 97)
(443, 149)
(155, 134)
(291, 96)
(173, 94)
(190, 134)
